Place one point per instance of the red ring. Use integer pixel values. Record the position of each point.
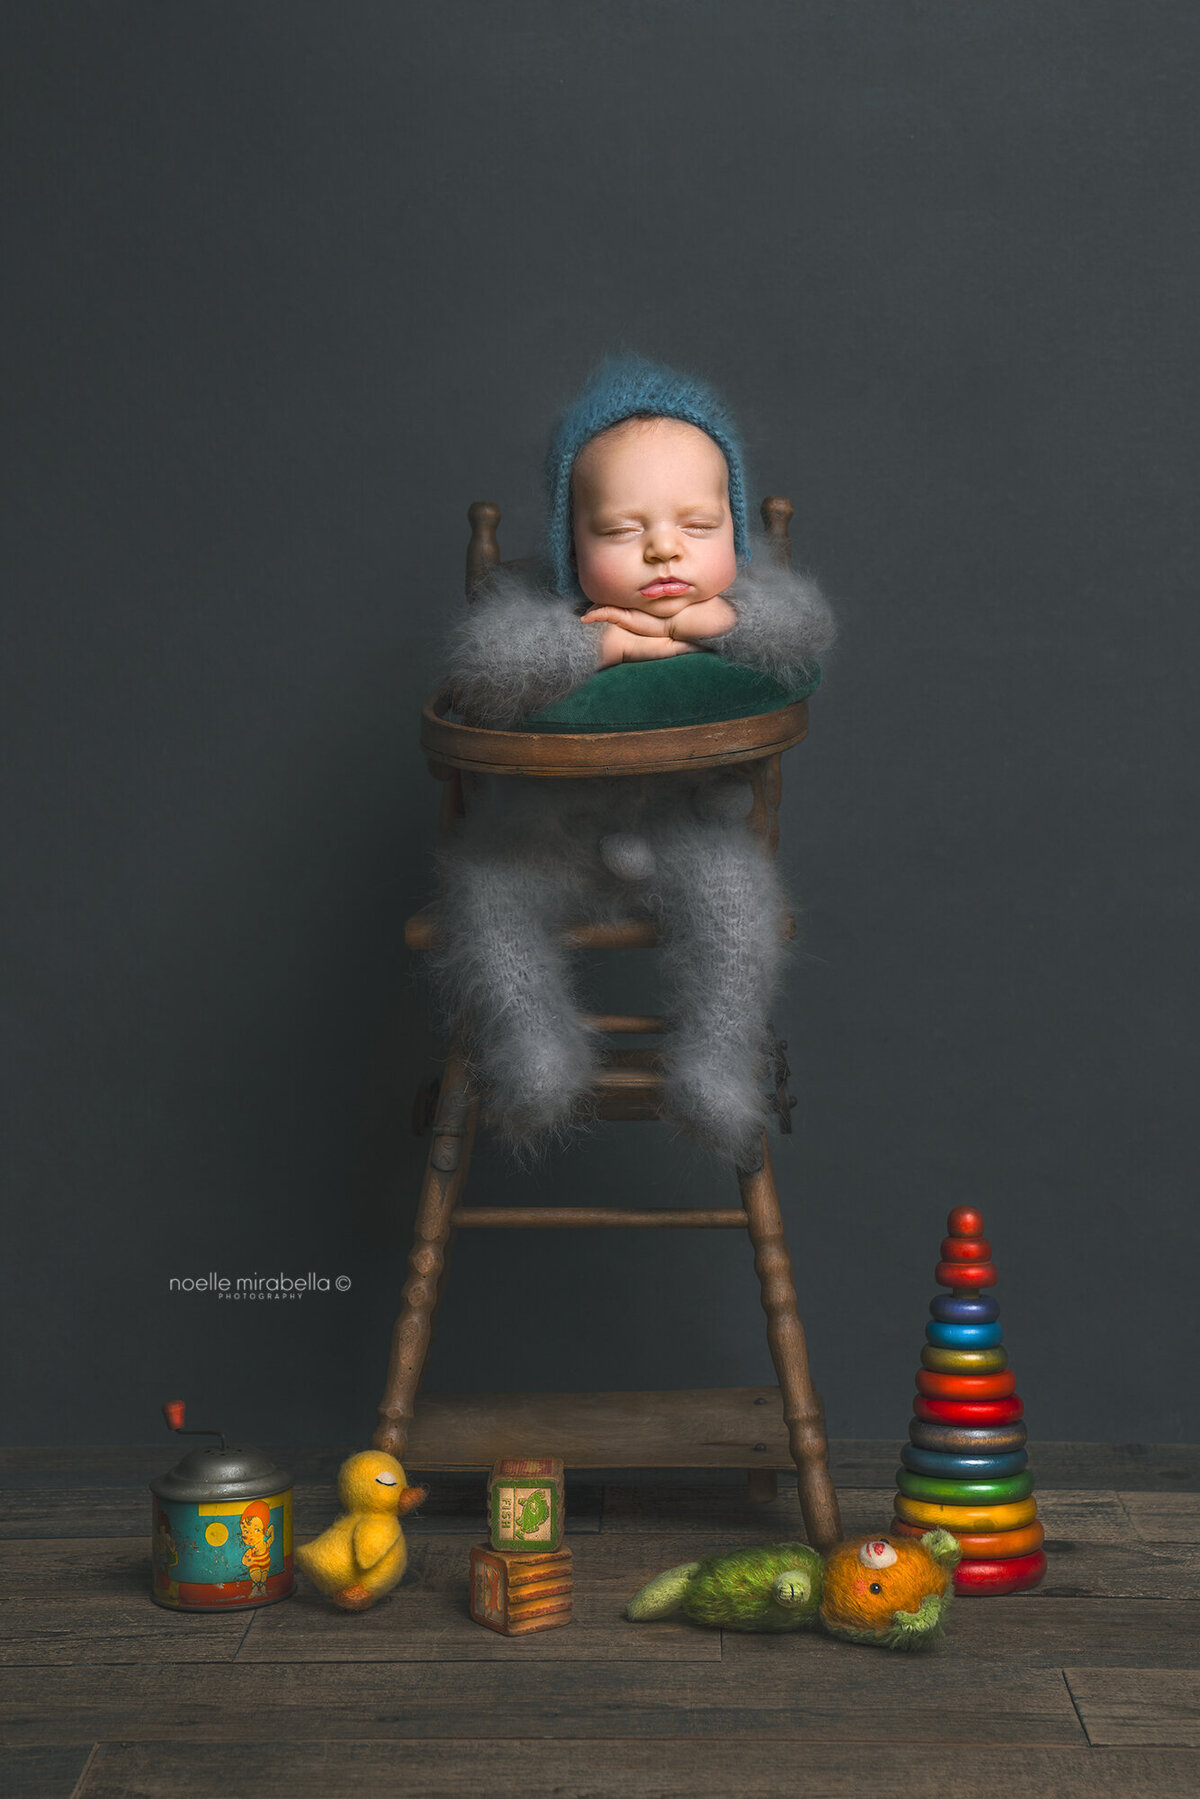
(966, 1249)
(966, 1411)
(965, 1274)
(1011, 1576)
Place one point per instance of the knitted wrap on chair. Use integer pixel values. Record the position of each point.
(621, 388)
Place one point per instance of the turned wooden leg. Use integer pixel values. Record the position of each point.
(803, 1412)
(445, 1173)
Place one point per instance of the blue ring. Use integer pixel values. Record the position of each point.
(963, 1467)
(964, 1308)
(964, 1336)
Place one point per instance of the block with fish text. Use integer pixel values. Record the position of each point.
(525, 1503)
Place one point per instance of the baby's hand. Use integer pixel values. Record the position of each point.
(629, 619)
(633, 635)
(619, 644)
(707, 618)
(688, 624)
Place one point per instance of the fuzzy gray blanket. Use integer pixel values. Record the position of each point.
(533, 855)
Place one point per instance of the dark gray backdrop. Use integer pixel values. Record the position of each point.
(289, 285)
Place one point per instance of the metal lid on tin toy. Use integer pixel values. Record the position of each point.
(215, 1473)
(221, 1474)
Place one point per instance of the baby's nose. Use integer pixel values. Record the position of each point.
(662, 544)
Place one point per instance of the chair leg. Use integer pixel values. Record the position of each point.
(445, 1175)
(803, 1412)
(762, 1485)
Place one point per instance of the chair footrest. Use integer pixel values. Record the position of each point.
(421, 932)
(729, 1427)
(593, 1218)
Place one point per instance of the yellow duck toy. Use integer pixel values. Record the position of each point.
(362, 1555)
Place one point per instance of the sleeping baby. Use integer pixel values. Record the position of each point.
(647, 557)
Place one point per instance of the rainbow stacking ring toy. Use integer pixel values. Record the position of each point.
(965, 1464)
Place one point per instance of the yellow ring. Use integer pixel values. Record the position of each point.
(963, 1361)
(966, 1517)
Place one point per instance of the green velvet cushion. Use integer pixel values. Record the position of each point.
(679, 690)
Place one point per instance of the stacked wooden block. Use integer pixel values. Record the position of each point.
(965, 1464)
(521, 1579)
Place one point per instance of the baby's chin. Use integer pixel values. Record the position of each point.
(666, 607)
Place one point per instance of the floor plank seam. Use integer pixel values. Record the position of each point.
(1075, 1707)
(250, 1623)
(959, 1747)
(81, 1784)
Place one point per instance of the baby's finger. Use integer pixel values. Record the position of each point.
(640, 623)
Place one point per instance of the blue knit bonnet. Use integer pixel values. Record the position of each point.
(621, 387)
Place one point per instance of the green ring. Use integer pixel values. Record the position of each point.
(964, 1492)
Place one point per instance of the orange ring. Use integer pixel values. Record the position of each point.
(965, 1386)
(986, 1545)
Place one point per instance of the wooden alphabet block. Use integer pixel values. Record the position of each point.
(525, 1503)
(515, 1592)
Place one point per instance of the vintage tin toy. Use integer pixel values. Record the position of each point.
(221, 1528)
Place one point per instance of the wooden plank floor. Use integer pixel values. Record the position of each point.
(1089, 1686)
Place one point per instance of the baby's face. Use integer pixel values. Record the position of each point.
(652, 525)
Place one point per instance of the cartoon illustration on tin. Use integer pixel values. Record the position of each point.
(258, 1533)
(166, 1555)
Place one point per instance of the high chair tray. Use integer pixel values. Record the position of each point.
(661, 750)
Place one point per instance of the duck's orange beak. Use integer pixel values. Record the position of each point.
(410, 1499)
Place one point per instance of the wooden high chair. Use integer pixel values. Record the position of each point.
(630, 1083)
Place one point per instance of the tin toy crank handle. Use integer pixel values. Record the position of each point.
(175, 1411)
